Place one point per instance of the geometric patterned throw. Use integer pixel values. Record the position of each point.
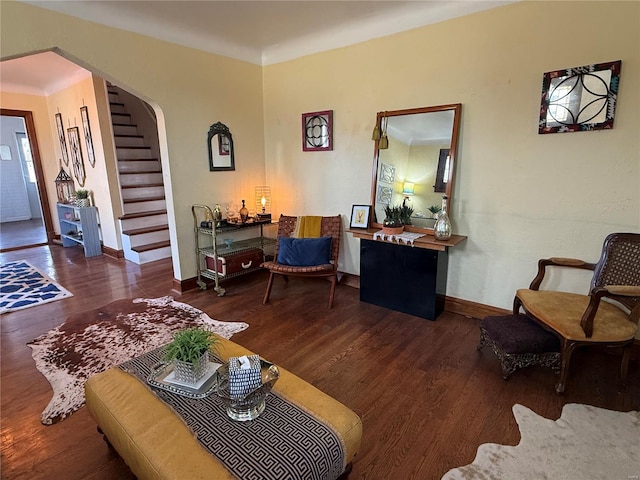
(22, 285)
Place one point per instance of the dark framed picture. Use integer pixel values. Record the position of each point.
(579, 99)
(86, 128)
(360, 216)
(62, 139)
(317, 131)
(223, 145)
(76, 155)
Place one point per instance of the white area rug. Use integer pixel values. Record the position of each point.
(91, 342)
(22, 285)
(585, 443)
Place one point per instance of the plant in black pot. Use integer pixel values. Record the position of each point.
(392, 224)
(189, 352)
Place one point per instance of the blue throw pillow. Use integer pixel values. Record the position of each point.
(304, 252)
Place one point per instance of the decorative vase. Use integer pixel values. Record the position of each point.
(442, 228)
(83, 202)
(191, 372)
(244, 213)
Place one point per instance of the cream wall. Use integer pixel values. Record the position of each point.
(519, 196)
(189, 89)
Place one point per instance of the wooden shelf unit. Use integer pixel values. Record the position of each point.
(79, 226)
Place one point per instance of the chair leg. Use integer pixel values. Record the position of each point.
(334, 280)
(267, 294)
(565, 358)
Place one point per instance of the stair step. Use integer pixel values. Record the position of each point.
(129, 140)
(151, 246)
(138, 172)
(140, 231)
(129, 216)
(124, 129)
(144, 199)
(143, 185)
(121, 119)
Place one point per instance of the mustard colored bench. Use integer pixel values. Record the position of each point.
(155, 442)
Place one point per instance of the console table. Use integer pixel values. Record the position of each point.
(405, 278)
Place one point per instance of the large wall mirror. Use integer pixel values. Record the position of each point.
(417, 165)
(220, 144)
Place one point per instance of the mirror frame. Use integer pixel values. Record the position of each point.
(220, 128)
(453, 152)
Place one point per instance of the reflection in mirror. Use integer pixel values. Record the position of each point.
(220, 144)
(580, 98)
(417, 167)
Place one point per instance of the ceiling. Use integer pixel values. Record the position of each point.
(261, 32)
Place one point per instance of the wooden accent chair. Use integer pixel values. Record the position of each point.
(331, 227)
(580, 320)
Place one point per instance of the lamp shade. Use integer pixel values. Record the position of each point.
(407, 188)
(263, 199)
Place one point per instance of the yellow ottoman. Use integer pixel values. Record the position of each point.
(156, 444)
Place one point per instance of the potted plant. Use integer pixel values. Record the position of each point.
(82, 198)
(434, 209)
(405, 214)
(189, 352)
(392, 224)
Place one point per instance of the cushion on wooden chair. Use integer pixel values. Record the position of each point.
(563, 311)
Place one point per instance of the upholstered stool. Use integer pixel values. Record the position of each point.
(519, 342)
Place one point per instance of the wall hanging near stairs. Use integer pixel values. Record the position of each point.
(62, 139)
(84, 113)
(76, 155)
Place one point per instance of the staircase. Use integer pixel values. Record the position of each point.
(145, 232)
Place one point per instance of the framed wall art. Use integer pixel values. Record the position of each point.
(384, 195)
(387, 173)
(360, 216)
(317, 131)
(62, 139)
(76, 155)
(86, 127)
(579, 99)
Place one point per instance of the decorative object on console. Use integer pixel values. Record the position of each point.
(65, 188)
(579, 98)
(76, 155)
(405, 214)
(62, 139)
(189, 351)
(244, 213)
(392, 224)
(221, 158)
(408, 190)
(405, 237)
(263, 202)
(317, 131)
(360, 216)
(442, 228)
(383, 144)
(86, 127)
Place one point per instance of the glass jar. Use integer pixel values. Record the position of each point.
(244, 213)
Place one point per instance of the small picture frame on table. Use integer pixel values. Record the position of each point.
(360, 216)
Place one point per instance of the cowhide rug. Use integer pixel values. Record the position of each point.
(91, 342)
(585, 443)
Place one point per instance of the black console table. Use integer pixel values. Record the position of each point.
(408, 279)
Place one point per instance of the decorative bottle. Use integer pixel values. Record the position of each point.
(244, 213)
(442, 228)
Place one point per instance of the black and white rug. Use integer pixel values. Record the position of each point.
(93, 341)
(22, 285)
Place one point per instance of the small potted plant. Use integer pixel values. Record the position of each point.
(434, 209)
(405, 214)
(189, 352)
(392, 224)
(82, 198)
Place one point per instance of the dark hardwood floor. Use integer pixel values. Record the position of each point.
(426, 397)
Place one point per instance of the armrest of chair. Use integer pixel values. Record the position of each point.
(607, 291)
(558, 262)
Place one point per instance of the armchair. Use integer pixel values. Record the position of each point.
(584, 320)
(330, 227)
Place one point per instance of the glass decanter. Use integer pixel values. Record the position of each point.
(442, 228)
